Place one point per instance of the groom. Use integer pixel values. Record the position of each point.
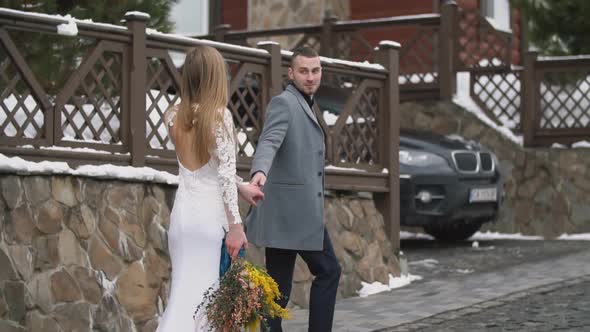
(289, 164)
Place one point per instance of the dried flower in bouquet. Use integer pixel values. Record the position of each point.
(246, 296)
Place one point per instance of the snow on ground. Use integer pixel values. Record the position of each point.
(575, 237)
(394, 282)
(429, 263)
(403, 235)
(490, 236)
(486, 236)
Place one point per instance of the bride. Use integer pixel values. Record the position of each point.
(206, 202)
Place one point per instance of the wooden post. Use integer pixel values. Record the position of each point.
(327, 45)
(388, 203)
(274, 84)
(447, 78)
(220, 31)
(275, 70)
(528, 93)
(136, 23)
(524, 36)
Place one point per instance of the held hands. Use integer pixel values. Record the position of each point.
(235, 240)
(251, 193)
(259, 179)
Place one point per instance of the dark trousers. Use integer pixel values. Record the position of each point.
(326, 270)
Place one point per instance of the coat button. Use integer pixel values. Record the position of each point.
(319, 173)
(320, 152)
(319, 194)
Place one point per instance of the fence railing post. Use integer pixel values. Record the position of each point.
(274, 85)
(136, 23)
(388, 56)
(220, 31)
(327, 43)
(447, 78)
(528, 116)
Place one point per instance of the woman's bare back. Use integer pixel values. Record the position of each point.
(184, 141)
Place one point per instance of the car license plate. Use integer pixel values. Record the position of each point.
(483, 195)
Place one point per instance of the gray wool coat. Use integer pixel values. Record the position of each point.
(291, 153)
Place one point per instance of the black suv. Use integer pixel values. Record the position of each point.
(448, 185)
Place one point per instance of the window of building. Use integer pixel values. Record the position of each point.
(190, 17)
(497, 13)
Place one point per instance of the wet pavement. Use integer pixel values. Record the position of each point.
(499, 285)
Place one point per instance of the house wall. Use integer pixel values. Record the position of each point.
(267, 14)
(235, 13)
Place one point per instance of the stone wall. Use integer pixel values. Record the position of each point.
(81, 254)
(271, 14)
(547, 189)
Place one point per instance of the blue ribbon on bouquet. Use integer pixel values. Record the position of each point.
(225, 261)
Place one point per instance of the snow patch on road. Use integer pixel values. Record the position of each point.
(394, 282)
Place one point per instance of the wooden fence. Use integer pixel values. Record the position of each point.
(436, 47)
(109, 109)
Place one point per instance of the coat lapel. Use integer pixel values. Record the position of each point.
(303, 103)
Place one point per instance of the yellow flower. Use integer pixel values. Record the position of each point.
(254, 325)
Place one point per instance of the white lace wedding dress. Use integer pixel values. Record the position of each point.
(196, 229)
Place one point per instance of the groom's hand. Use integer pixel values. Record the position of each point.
(235, 240)
(259, 179)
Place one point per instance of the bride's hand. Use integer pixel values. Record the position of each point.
(251, 193)
(235, 240)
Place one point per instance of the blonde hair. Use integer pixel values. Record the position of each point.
(204, 92)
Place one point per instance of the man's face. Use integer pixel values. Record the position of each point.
(306, 74)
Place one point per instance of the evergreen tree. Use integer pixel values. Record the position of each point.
(558, 27)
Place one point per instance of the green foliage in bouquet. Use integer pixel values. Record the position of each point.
(246, 296)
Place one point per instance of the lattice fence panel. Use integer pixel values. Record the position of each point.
(353, 45)
(565, 99)
(93, 111)
(357, 142)
(246, 105)
(21, 115)
(480, 45)
(418, 57)
(162, 93)
(498, 93)
(310, 40)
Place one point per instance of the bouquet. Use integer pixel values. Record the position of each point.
(245, 297)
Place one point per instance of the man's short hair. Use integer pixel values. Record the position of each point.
(305, 51)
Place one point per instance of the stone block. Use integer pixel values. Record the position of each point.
(70, 251)
(37, 322)
(10, 326)
(82, 222)
(37, 189)
(46, 252)
(8, 271)
(22, 257)
(14, 295)
(22, 225)
(88, 282)
(49, 217)
(101, 258)
(64, 287)
(12, 191)
(135, 293)
(74, 316)
(63, 190)
(40, 289)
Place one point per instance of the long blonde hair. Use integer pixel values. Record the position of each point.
(203, 93)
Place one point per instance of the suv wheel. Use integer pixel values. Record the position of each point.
(453, 231)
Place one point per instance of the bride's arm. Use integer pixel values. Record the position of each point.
(226, 155)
